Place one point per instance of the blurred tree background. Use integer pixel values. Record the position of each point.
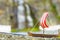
(32, 11)
(52, 6)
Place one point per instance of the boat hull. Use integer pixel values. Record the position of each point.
(42, 35)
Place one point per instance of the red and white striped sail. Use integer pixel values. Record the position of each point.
(43, 20)
(44, 25)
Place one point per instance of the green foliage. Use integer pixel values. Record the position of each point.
(35, 29)
(53, 9)
(13, 30)
(58, 17)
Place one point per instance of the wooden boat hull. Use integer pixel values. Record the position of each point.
(42, 35)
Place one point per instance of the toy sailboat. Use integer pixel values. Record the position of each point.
(44, 26)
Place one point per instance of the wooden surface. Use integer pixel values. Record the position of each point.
(42, 35)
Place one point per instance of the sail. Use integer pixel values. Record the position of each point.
(43, 20)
